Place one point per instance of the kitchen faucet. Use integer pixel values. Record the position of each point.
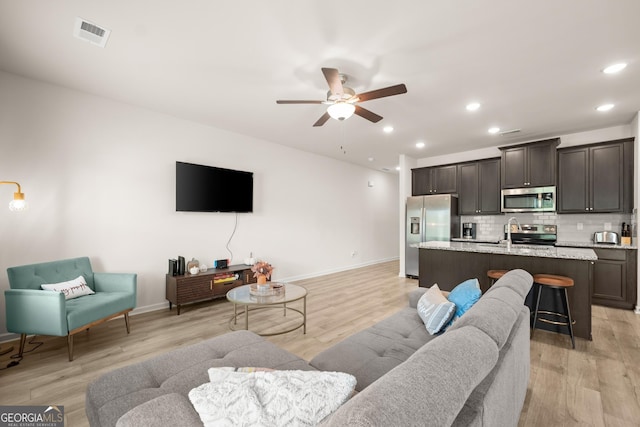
(509, 231)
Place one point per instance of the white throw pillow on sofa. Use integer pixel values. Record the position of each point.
(71, 289)
(435, 309)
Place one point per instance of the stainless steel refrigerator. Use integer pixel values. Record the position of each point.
(429, 218)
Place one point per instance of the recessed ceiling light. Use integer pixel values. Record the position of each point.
(371, 159)
(494, 130)
(473, 106)
(388, 129)
(397, 168)
(420, 144)
(605, 107)
(615, 68)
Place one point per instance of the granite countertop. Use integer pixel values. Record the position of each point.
(578, 253)
(594, 245)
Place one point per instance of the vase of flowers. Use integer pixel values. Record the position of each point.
(262, 271)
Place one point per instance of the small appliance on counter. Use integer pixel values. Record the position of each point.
(468, 230)
(609, 237)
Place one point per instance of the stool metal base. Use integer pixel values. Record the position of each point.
(565, 302)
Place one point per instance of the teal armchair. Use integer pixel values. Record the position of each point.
(33, 311)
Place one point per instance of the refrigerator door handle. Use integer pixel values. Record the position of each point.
(423, 224)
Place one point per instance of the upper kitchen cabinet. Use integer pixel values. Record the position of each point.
(596, 177)
(529, 165)
(479, 187)
(434, 180)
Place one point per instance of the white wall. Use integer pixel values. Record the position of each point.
(99, 179)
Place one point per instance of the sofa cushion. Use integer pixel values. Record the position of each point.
(435, 309)
(89, 308)
(499, 398)
(371, 353)
(496, 312)
(429, 389)
(33, 275)
(171, 409)
(178, 371)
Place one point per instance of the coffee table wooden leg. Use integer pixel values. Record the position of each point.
(285, 309)
(304, 315)
(235, 314)
(246, 317)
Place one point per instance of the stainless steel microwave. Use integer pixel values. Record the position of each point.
(533, 199)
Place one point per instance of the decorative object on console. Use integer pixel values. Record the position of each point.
(221, 263)
(181, 266)
(262, 271)
(173, 267)
(203, 268)
(18, 203)
(193, 263)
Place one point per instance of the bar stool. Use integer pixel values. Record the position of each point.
(495, 275)
(560, 284)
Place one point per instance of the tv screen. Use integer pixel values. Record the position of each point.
(202, 188)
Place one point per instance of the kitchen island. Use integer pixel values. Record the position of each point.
(450, 263)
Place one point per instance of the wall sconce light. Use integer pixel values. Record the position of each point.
(18, 203)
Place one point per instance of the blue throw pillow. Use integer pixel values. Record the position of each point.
(464, 296)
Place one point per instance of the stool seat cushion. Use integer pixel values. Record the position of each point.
(552, 280)
(496, 274)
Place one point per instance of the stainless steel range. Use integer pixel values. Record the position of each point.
(532, 234)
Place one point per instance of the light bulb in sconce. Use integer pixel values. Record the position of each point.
(18, 203)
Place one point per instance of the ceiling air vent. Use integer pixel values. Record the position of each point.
(90, 32)
(509, 132)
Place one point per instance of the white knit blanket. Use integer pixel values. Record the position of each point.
(276, 398)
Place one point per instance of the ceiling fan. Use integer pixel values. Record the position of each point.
(342, 100)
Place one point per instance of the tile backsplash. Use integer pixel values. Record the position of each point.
(571, 227)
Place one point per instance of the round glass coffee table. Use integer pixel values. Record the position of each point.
(243, 296)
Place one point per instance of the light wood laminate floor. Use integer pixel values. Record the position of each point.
(596, 384)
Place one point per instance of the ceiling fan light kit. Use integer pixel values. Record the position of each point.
(341, 110)
(343, 102)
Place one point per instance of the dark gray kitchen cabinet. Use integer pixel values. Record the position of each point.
(614, 278)
(479, 187)
(529, 165)
(596, 177)
(434, 180)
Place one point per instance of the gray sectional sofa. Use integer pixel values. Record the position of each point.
(474, 374)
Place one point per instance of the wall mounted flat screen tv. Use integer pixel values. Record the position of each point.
(202, 188)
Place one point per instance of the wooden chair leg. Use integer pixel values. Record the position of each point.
(23, 341)
(70, 346)
(126, 321)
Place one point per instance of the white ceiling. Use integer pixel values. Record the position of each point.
(534, 65)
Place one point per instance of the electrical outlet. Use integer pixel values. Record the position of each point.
(580, 226)
(607, 226)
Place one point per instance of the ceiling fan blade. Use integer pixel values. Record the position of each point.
(333, 78)
(381, 93)
(322, 120)
(369, 115)
(286, 101)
